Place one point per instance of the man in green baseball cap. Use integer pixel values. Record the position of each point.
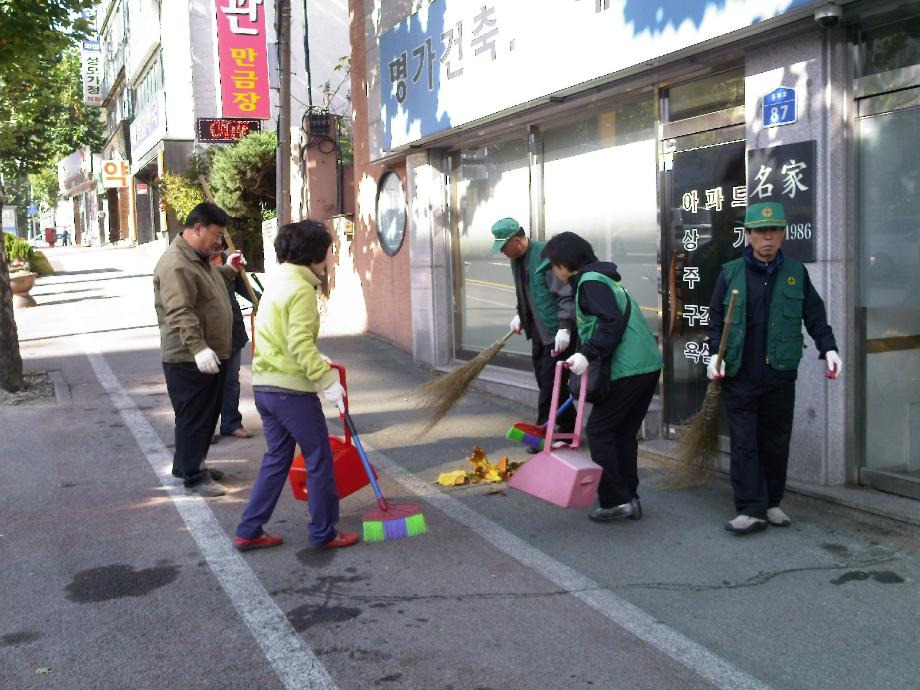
(765, 342)
(545, 313)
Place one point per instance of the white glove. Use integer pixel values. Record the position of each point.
(515, 324)
(578, 363)
(713, 373)
(834, 364)
(236, 261)
(336, 395)
(562, 342)
(207, 361)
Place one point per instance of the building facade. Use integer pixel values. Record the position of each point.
(648, 128)
(178, 76)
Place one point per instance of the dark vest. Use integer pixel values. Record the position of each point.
(545, 302)
(784, 326)
(638, 351)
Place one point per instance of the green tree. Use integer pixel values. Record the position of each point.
(34, 41)
(242, 178)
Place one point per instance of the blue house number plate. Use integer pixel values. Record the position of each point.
(779, 107)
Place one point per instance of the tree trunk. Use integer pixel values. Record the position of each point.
(10, 359)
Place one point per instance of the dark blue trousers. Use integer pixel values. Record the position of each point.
(760, 418)
(288, 419)
(230, 417)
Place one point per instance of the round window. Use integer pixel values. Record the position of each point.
(391, 213)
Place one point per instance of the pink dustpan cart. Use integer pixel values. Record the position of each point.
(563, 476)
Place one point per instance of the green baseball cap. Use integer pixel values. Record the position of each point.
(503, 230)
(767, 215)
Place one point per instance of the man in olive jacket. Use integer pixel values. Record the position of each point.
(195, 319)
(765, 342)
(545, 313)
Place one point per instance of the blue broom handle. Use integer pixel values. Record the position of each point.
(565, 405)
(364, 461)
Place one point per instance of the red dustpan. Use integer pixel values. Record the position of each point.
(346, 463)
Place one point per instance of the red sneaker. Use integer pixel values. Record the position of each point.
(266, 541)
(340, 539)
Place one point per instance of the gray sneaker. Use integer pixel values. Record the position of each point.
(631, 510)
(637, 510)
(207, 488)
(777, 517)
(745, 524)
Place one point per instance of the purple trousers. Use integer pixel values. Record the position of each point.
(286, 420)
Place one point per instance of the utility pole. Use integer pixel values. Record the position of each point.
(283, 166)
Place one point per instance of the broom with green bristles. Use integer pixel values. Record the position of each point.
(390, 520)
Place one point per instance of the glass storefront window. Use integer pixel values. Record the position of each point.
(706, 95)
(889, 218)
(487, 184)
(600, 181)
(891, 47)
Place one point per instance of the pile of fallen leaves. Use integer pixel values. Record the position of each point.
(483, 471)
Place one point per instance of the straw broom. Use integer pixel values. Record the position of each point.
(444, 392)
(698, 446)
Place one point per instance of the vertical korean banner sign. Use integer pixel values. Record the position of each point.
(91, 63)
(243, 59)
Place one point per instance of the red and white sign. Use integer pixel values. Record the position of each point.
(243, 58)
(115, 174)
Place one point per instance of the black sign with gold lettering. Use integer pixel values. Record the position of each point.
(786, 174)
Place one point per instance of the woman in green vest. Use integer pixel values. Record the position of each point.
(610, 328)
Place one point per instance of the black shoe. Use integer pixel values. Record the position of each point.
(629, 510)
(216, 474)
(531, 450)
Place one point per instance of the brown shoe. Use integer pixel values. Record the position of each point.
(242, 432)
(340, 540)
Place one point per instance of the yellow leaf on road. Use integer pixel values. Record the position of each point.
(457, 478)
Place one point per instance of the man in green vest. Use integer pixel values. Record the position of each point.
(765, 343)
(545, 313)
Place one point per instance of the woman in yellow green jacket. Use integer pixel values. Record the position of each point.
(288, 372)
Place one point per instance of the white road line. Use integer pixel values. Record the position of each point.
(290, 657)
(694, 656)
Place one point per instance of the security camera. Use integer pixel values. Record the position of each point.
(828, 16)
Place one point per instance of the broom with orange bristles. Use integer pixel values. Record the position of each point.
(390, 520)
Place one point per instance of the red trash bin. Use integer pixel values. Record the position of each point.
(50, 236)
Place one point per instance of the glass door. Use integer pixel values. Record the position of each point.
(889, 231)
(704, 199)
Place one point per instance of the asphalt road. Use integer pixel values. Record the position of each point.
(114, 577)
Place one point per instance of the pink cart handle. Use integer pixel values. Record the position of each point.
(574, 439)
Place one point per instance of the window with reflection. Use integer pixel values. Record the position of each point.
(487, 184)
(706, 95)
(600, 181)
(891, 47)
